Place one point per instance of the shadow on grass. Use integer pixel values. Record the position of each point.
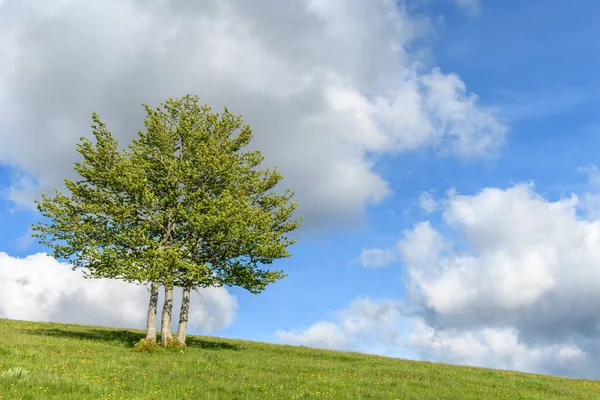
(208, 345)
(126, 337)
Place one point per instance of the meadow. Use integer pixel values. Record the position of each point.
(88, 362)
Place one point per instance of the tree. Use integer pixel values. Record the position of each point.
(227, 221)
(185, 206)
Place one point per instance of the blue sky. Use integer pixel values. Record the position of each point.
(532, 66)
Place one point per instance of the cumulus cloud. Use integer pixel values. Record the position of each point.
(323, 335)
(324, 84)
(521, 271)
(523, 252)
(376, 258)
(499, 348)
(366, 325)
(421, 246)
(40, 288)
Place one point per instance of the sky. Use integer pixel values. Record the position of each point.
(442, 152)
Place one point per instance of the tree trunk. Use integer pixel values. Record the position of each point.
(184, 314)
(165, 323)
(151, 321)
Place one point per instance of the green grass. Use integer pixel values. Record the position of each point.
(86, 362)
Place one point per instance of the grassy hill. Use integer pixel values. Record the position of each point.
(86, 362)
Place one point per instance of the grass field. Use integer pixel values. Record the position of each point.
(85, 362)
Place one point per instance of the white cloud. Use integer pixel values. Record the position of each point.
(324, 84)
(382, 257)
(39, 288)
(522, 250)
(211, 309)
(21, 192)
(324, 335)
(518, 267)
(427, 202)
(372, 326)
(497, 348)
(376, 258)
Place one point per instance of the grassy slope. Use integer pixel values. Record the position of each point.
(83, 362)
